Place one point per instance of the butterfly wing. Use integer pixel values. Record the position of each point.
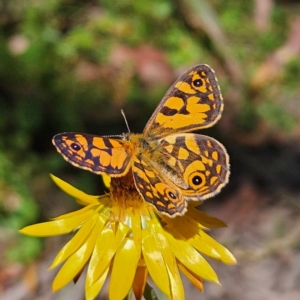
(157, 189)
(94, 153)
(193, 102)
(198, 165)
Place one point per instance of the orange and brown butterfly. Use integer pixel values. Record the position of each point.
(170, 166)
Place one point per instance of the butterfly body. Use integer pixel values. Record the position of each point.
(170, 166)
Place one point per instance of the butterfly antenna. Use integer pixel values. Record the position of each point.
(123, 114)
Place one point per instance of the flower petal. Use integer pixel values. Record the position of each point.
(73, 192)
(92, 291)
(192, 232)
(183, 233)
(106, 246)
(93, 273)
(57, 227)
(136, 231)
(160, 261)
(205, 219)
(76, 262)
(77, 241)
(177, 290)
(76, 212)
(139, 282)
(155, 262)
(123, 270)
(100, 201)
(195, 280)
(184, 221)
(191, 259)
(225, 255)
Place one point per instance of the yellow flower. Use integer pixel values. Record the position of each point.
(123, 236)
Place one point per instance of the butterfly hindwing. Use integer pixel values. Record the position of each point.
(157, 189)
(94, 153)
(197, 164)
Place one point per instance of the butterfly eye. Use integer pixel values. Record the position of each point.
(75, 147)
(197, 180)
(197, 82)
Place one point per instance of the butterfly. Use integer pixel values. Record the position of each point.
(169, 165)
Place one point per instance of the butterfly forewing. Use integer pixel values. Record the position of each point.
(94, 153)
(193, 102)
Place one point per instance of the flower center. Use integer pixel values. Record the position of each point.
(124, 194)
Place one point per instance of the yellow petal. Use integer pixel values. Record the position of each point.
(77, 241)
(106, 246)
(139, 282)
(195, 280)
(76, 262)
(123, 270)
(97, 260)
(225, 255)
(192, 232)
(183, 233)
(185, 221)
(57, 227)
(76, 212)
(92, 291)
(73, 192)
(177, 290)
(205, 219)
(98, 200)
(191, 259)
(155, 262)
(136, 231)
